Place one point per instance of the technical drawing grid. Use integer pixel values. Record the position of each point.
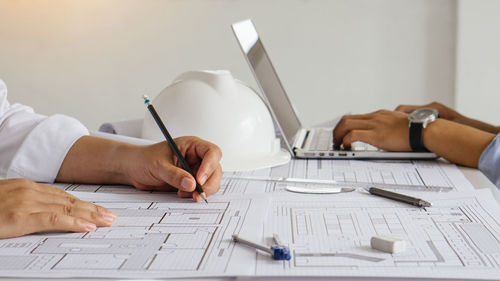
(333, 238)
(403, 174)
(153, 238)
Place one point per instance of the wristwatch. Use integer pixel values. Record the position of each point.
(419, 119)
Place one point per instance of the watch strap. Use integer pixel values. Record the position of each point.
(416, 139)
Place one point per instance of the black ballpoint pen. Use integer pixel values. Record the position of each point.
(399, 197)
(173, 146)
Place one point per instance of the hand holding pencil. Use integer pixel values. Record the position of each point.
(195, 164)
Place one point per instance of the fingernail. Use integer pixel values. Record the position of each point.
(88, 226)
(186, 183)
(203, 179)
(196, 197)
(109, 218)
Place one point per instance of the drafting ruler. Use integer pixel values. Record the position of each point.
(303, 181)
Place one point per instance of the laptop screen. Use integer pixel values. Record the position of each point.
(267, 79)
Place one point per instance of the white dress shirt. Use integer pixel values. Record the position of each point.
(33, 146)
(489, 163)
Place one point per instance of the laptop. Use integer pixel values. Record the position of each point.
(301, 142)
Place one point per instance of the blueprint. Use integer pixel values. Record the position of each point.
(158, 235)
(403, 175)
(163, 238)
(434, 176)
(98, 188)
(456, 238)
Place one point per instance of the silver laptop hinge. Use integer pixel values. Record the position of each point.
(300, 139)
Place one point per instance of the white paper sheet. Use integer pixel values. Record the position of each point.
(458, 237)
(407, 176)
(400, 175)
(154, 236)
(159, 235)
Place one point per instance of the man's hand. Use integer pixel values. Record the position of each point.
(384, 129)
(444, 111)
(389, 130)
(452, 115)
(28, 207)
(156, 167)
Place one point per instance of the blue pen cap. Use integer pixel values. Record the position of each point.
(281, 252)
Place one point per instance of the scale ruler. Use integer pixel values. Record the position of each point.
(302, 181)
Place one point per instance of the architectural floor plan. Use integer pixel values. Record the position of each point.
(454, 238)
(402, 175)
(158, 235)
(159, 239)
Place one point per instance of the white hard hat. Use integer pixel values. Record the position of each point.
(215, 107)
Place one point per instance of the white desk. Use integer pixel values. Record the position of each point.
(480, 181)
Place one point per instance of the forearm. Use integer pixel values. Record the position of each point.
(95, 160)
(480, 125)
(458, 143)
(152, 167)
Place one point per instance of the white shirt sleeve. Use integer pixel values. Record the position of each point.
(489, 162)
(33, 146)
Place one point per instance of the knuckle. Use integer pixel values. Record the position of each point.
(94, 216)
(99, 209)
(218, 150)
(15, 216)
(54, 219)
(71, 200)
(341, 122)
(67, 210)
(193, 139)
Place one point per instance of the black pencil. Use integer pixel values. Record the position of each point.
(399, 197)
(173, 146)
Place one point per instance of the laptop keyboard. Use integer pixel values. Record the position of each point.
(322, 140)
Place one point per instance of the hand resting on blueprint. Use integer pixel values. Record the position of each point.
(151, 167)
(29, 207)
(389, 130)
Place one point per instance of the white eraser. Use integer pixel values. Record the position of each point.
(388, 244)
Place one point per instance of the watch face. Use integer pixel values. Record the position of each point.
(423, 114)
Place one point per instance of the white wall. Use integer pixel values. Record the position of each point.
(93, 59)
(478, 59)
